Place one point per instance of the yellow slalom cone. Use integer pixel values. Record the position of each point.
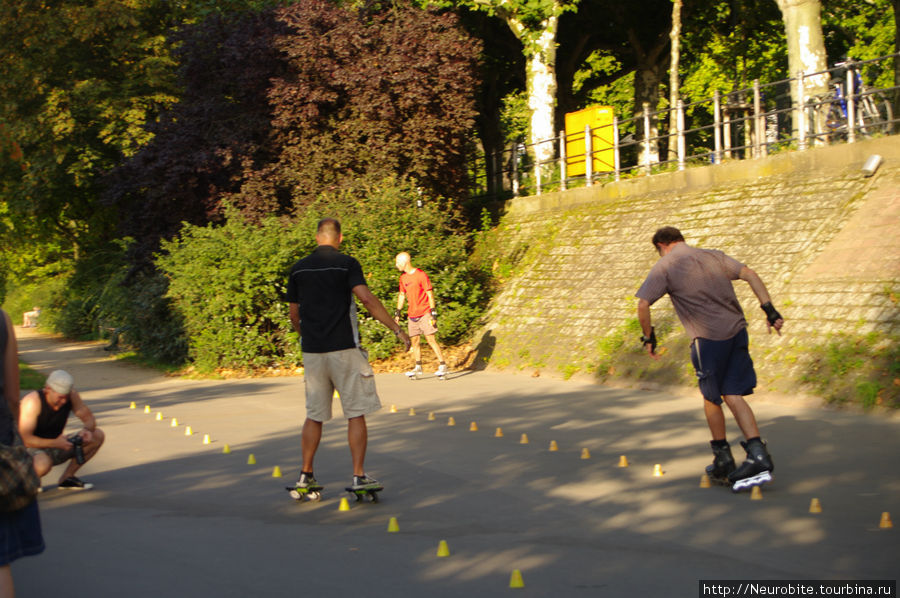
(226, 450)
(886, 522)
(188, 431)
(585, 454)
(443, 549)
(523, 439)
(159, 416)
(276, 473)
(623, 461)
(704, 481)
(657, 471)
(146, 408)
(344, 506)
(553, 446)
(393, 409)
(815, 506)
(498, 433)
(206, 439)
(515, 580)
(473, 427)
(451, 421)
(336, 394)
(431, 416)
(132, 406)
(393, 526)
(174, 423)
(251, 460)
(412, 411)
(756, 493)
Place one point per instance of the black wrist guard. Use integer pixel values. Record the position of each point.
(771, 313)
(650, 339)
(434, 314)
(397, 314)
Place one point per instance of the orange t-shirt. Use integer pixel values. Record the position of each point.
(415, 286)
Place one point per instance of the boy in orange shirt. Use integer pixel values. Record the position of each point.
(415, 287)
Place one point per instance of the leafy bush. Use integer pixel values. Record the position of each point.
(385, 221)
(227, 281)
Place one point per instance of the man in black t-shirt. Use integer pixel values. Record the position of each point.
(43, 415)
(320, 291)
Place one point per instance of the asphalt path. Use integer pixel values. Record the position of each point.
(173, 516)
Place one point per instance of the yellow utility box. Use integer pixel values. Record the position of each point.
(600, 119)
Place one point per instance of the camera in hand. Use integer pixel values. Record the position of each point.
(78, 446)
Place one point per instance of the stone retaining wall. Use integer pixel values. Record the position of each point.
(823, 237)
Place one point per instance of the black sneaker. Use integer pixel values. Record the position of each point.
(74, 483)
(364, 482)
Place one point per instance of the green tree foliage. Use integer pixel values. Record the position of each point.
(284, 104)
(77, 82)
(861, 31)
(228, 281)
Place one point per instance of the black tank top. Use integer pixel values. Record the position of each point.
(50, 423)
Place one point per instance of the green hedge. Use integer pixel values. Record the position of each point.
(227, 282)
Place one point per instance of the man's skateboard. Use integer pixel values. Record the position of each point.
(312, 492)
(370, 492)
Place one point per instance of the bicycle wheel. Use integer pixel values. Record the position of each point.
(874, 114)
(826, 121)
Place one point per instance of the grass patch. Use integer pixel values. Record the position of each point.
(30, 379)
(856, 369)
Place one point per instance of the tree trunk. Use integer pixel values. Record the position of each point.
(675, 54)
(806, 47)
(647, 78)
(540, 81)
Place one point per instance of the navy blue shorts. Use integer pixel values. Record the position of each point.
(724, 367)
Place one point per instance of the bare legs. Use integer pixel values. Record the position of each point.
(743, 415)
(357, 438)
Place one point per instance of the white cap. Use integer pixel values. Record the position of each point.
(60, 381)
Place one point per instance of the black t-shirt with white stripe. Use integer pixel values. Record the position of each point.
(321, 284)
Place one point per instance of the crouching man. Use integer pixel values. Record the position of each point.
(42, 422)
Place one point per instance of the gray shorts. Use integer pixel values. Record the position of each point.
(349, 373)
(57, 455)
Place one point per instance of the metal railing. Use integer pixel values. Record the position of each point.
(743, 124)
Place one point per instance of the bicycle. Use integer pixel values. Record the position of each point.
(873, 111)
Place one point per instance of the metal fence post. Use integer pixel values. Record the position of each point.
(588, 156)
(717, 127)
(515, 169)
(851, 104)
(616, 162)
(646, 110)
(759, 128)
(679, 124)
(537, 170)
(563, 175)
(800, 113)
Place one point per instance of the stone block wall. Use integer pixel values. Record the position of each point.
(823, 237)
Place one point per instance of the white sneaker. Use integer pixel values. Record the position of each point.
(442, 370)
(416, 371)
